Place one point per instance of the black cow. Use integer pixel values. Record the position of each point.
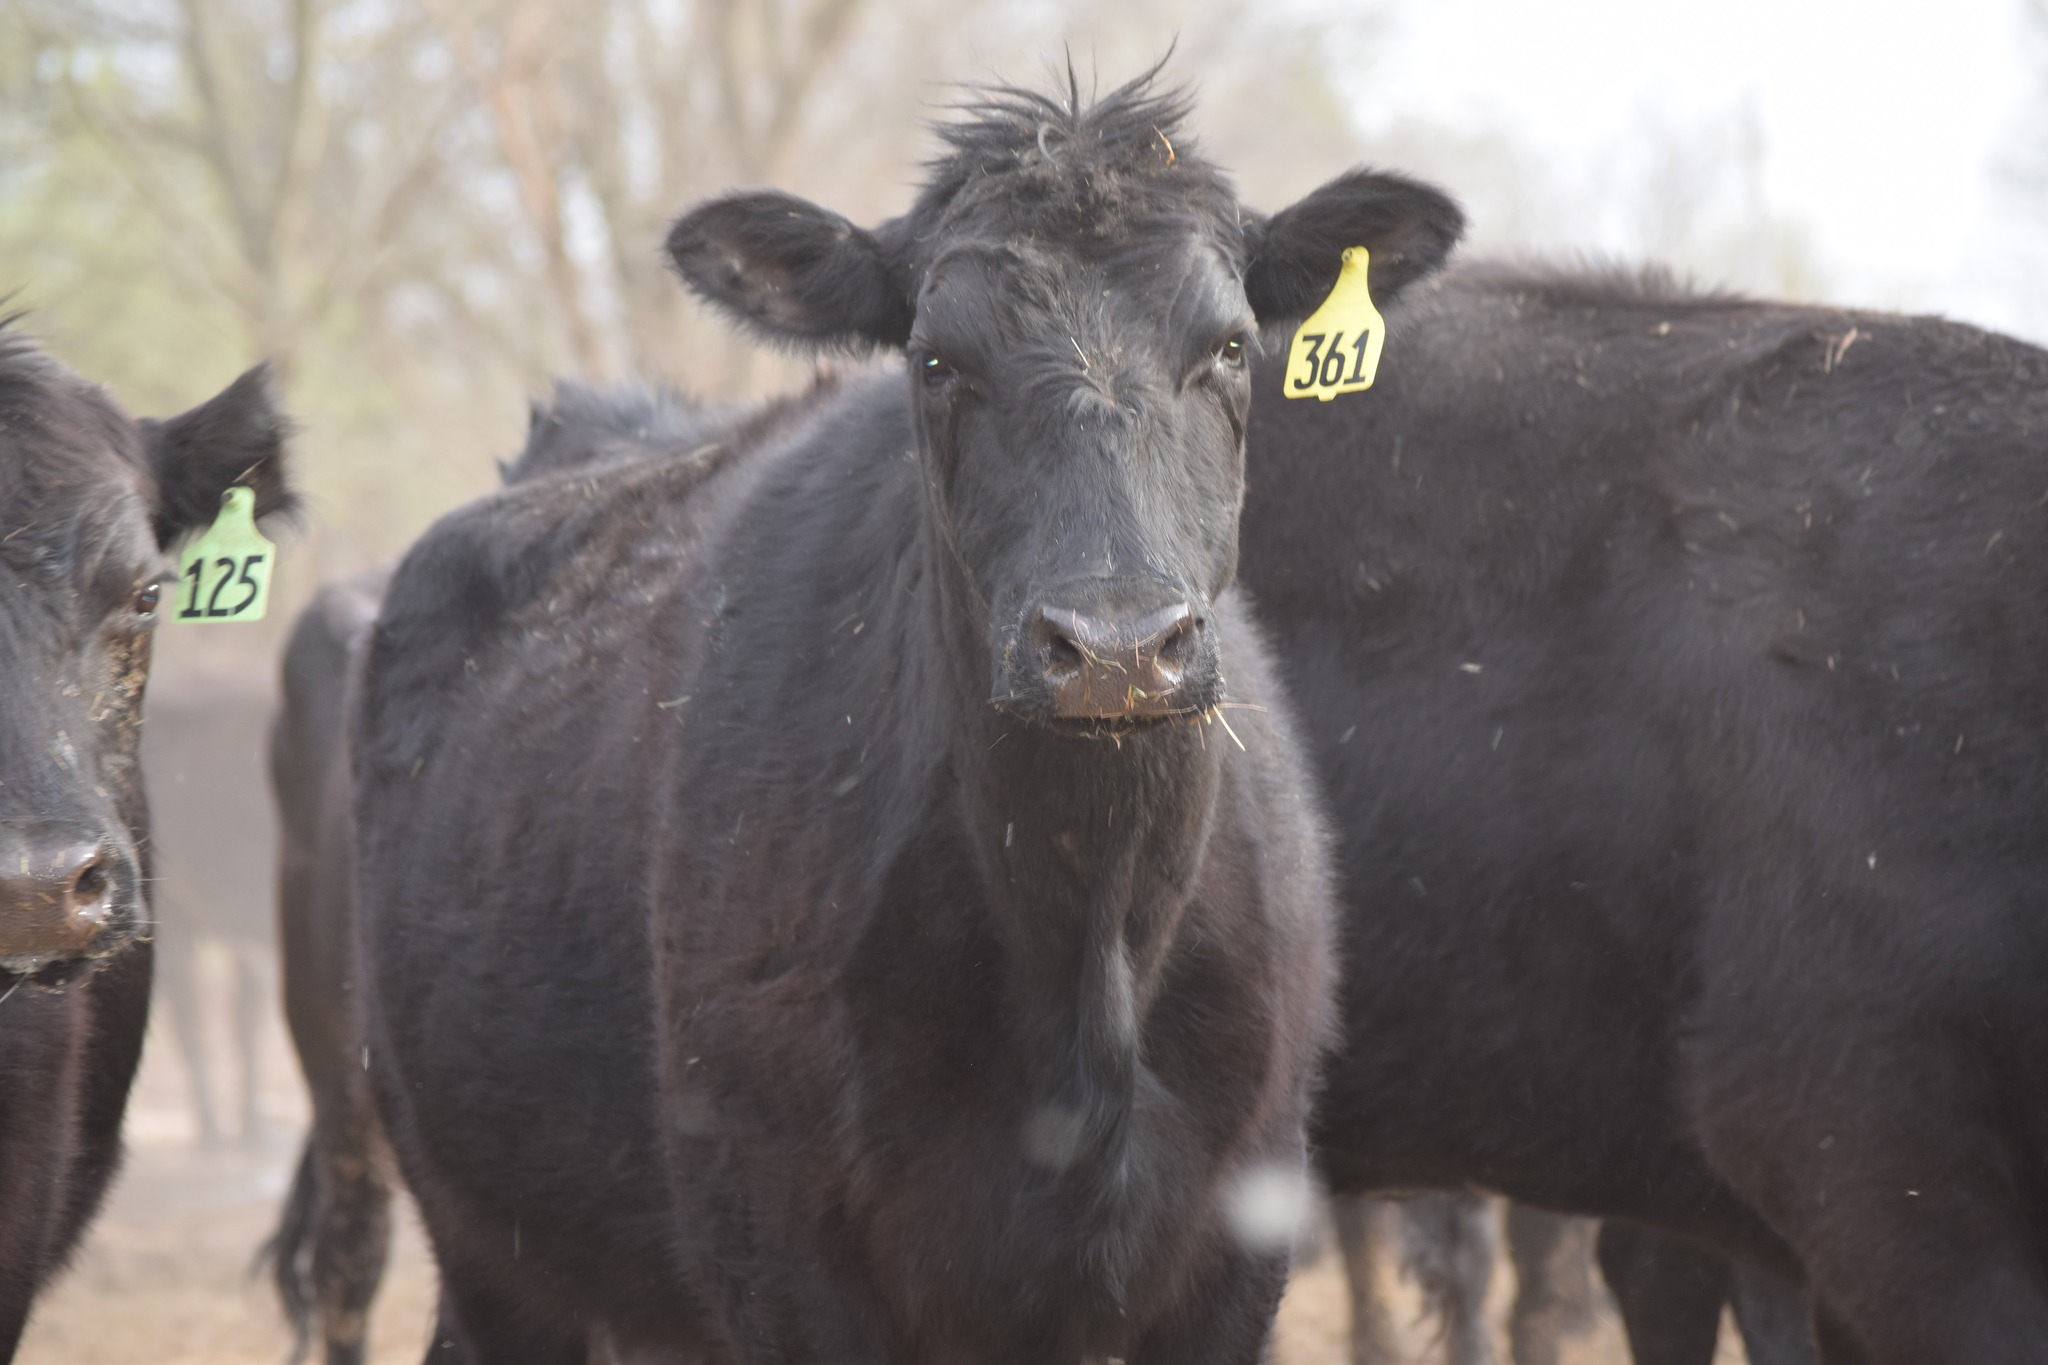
(334, 1231)
(1678, 669)
(91, 503)
(814, 905)
(328, 1253)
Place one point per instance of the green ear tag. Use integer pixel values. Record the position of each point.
(1338, 349)
(226, 573)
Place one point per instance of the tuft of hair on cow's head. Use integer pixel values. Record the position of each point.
(1079, 293)
(802, 276)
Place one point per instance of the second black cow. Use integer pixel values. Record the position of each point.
(327, 1256)
(1678, 670)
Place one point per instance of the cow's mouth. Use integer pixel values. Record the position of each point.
(54, 970)
(54, 975)
(1109, 658)
(1117, 727)
(1114, 729)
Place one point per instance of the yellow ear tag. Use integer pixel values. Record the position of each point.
(1338, 349)
(226, 573)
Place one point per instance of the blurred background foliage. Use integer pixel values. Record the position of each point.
(421, 210)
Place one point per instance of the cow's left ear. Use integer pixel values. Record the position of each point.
(1409, 228)
(793, 272)
(236, 437)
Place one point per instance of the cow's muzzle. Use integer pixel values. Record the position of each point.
(1110, 650)
(67, 894)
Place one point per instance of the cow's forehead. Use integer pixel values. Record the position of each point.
(73, 477)
(1160, 256)
(1022, 284)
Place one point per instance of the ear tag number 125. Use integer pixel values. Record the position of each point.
(227, 571)
(1338, 349)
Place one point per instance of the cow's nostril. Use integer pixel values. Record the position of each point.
(1175, 646)
(1063, 656)
(91, 883)
(59, 892)
(1059, 634)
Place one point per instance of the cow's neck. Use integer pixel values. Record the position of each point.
(1088, 849)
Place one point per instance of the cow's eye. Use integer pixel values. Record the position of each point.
(147, 597)
(1234, 351)
(933, 372)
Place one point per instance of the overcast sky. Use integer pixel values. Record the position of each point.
(1883, 121)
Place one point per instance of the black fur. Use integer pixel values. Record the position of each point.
(235, 437)
(580, 426)
(1296, 252)
(790, 271)
(758, 965)
(84, 491)
(287, 1252)
(1676, 668)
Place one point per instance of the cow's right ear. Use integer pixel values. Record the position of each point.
(1408, 226)
(236, 437)
(792, 272)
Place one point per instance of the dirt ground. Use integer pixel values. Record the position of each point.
(165, 1277)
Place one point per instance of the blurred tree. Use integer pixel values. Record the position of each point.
(421, 211)
(2026, 165)
(608, 119)
(280, 151)
(212, 181)
(1693, 199)
(2024, 171)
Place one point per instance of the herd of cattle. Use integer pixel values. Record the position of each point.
(933, 868)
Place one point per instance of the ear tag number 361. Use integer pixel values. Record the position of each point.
(1338, 349)
(227, 571)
